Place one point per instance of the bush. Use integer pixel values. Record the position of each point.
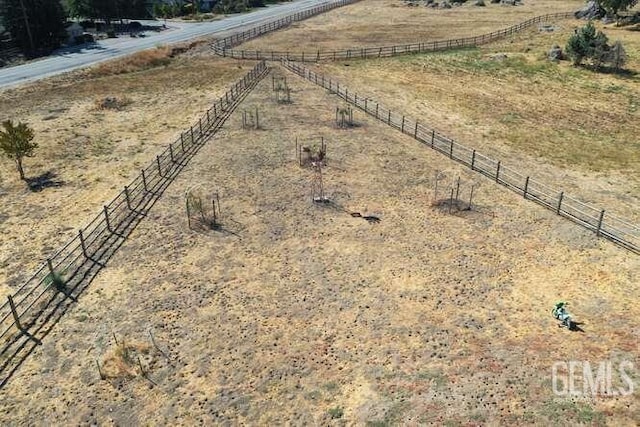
(587, 43)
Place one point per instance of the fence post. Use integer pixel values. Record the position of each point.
(182, 141)
(526, 187)
(159, 166)
(16, 319)
(144, 180)
(377, 105)
(200, 123)
(433, 137)
(451, 149)
(498, 173)
(402, 127)
(171, 152)
(415, 132)
(193, 141)
(106, 217)
(126, 196)
(473, 160)
(599, 229)
(82, 244)
(389, 119)
(558, 210)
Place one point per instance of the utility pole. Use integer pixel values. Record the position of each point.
(26, 23)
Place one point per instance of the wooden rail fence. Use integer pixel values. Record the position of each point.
(221, 48)
(604, 224)
(31, 309)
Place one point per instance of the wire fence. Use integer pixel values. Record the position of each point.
(222, 45)
(223, 49)
(604, 224)
(66, 273)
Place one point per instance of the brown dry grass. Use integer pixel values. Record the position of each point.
(422, 318)
(94, 152)
(389, 22)
(536, 115)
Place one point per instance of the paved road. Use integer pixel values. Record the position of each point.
(71, 59)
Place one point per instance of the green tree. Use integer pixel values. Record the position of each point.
(37, 25)
(586, 42)
(79, 8)
(16, 143)
(612, 7)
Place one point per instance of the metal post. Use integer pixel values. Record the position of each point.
(558, 209)
(389, 119)
(192, 138)
(106, 217)
(526, 187)
(599, 229)
(402, 127)
(82, 244)
(171, 152)
(159, 166)
(498, 173)
(433, 137)
(144, 180)
(451, 149)
(200, 123)
(182, 141)
(415, 132)
(473, 161)
(126, 195)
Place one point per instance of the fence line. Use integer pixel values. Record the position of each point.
(25, 313)
(616, 229)
(238, 38)
(221, 48)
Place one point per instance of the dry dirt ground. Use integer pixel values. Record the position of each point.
(91, 152)
(295, 313)
(389, 22)
(303, 314)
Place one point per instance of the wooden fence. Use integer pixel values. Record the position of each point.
(604, 224)
(238, 38)
(222, 49)
(37, 304)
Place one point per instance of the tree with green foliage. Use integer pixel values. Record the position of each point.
(587, 43)
(79, 8)
(612, 7)
(36, 25)
(16, 142)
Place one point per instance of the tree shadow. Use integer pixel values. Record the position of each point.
(42, 181)
(619, 72)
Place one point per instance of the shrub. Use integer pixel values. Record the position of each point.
(587, 43)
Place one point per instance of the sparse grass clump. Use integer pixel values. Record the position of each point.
(158, 57)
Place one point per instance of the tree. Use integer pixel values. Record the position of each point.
(617, 56)
(612, 7)
(16, 143)
(79, 8)
(586, 42)
(37, 25)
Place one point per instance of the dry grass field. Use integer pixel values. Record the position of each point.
(303, 314)
(390, 22)
(298, 313)
(92, 152)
